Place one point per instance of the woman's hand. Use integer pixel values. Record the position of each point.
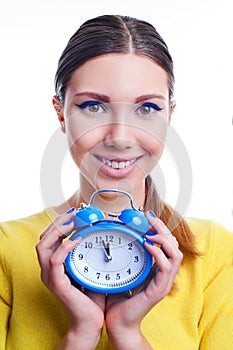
(124, 315)
(86, 312)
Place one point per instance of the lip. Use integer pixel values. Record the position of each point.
(117, 167)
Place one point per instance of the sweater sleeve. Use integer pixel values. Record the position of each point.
(216, 323)
(5, 292)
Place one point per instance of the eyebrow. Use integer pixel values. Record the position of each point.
(148, 97)
(95, 95)
(105, 98)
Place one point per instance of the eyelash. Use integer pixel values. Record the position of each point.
(87, 104)
(150, 105)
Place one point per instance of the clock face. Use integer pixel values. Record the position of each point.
(110, 258)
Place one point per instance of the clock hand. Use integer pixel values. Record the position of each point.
(106, 251)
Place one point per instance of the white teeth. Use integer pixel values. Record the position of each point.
(118, 165)
(122, 165)
(115, 165)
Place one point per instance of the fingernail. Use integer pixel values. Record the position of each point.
(68, 222)
(70, 210)
(148, 241)
(150, 233)
(152, 214)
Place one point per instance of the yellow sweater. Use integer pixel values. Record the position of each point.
(198, 316)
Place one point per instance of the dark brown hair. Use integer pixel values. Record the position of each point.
(121, 34)
(173, 220)
(112, 34)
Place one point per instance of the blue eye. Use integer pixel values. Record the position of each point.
(91, 106)
(148, 108)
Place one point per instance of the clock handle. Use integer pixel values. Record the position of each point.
(112, 190)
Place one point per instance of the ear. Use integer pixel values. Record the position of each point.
(59, 110)
(172, 108)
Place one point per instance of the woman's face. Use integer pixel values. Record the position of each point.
(116, 112)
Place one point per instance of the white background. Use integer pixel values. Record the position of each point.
(199, 36)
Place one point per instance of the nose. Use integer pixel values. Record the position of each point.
(120, 136)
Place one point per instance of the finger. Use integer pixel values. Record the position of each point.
(161, 239)
(63, 219)
(161, 260)
(53, 239)
(156, 223)
(168, 257)
(62, 226)
(168, 246)
(50, 242)
(57, 259)
(166, 271)
(60, 220)
(159, 227)
(52, 268)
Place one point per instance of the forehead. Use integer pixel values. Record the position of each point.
(120, 76)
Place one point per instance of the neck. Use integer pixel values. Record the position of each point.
(107, 201)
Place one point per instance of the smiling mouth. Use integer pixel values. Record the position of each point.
(117, 164)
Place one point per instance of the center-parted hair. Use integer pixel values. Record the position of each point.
(112, 34)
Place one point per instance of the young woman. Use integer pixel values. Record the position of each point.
(114, 100)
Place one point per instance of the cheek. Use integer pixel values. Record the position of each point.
(80, 143)
(153, 140)
(81, 131)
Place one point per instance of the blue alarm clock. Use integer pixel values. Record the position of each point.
(110, 256)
